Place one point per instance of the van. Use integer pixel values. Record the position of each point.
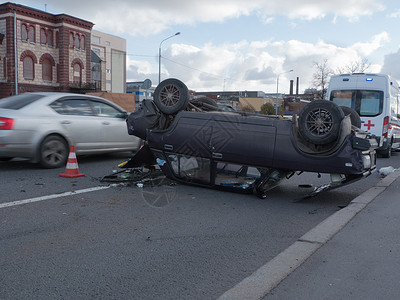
(375, 97)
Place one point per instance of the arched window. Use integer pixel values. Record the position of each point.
(24, 33)
(83, 42)
(42, 36)
(31, 34)
(57, 38)
(47, 70)
(77, 41)
(71, 40)
(77, 73)
(28, 68)
(50, 38)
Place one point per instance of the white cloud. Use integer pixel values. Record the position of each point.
(255, 65)
(153, 16)
(396, 14)
(233, 65)
(376, 42)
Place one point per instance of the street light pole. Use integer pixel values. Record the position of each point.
(277, 89)
(159, 55)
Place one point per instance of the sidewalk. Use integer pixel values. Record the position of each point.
(354, 254)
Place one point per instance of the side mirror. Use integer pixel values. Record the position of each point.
(122, 115)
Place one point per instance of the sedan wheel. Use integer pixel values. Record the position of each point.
(53, 152)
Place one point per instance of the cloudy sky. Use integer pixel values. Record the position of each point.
(244, 45)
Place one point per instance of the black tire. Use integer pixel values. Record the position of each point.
(53, 152)
(354, 116)
(171, 96)
(319, 122)
(387, 153)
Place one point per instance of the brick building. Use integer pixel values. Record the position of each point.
(52, 52)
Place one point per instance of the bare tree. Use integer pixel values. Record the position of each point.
(321, 77)
(359, 66)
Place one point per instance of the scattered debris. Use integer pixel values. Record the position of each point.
(137, 175)
(383, 172)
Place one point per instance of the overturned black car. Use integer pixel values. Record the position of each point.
(194, 142)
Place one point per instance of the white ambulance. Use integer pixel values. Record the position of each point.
(375, 97)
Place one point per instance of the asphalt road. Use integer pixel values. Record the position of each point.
(126, 242)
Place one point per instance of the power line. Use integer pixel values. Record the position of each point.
(198, 70)
(218, 76)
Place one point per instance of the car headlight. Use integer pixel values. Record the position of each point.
(366, 161)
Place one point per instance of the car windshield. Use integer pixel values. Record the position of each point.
(19, 101)
(365, 102)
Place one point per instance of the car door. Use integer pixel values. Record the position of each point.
(113, 127)
(80, 123)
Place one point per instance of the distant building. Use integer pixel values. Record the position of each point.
(97, 66)
(40, 51)
(112, 51)
(140, 89)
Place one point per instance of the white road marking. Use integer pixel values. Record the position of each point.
(48, 197)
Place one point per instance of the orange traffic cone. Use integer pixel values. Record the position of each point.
(72, 169)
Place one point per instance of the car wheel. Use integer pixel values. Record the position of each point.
(171, 96)
(319, 122)
(354, 116)
(387, 153)
(53, 152)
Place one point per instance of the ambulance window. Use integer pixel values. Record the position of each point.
(343, 98)
(371, 103)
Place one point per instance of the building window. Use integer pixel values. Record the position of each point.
(31, 34)
(57, 38)
(42, 36)
(95, 40)
(77, 73)
(108, 43)
(5, 67)
(24, 33)
(76, 41)
(28, 68)
(83, 42)
(71, 40)
(47, 70)
(50, 38)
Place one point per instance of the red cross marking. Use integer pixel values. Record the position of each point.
(369, 125)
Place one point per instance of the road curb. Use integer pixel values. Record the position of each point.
(262, 281)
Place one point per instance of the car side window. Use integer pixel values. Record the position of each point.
(105, 110)
(79, 107)
(190, 168)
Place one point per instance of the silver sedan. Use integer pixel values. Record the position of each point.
(43, 126)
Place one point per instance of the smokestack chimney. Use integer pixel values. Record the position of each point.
(297, 86)
(291, 87)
